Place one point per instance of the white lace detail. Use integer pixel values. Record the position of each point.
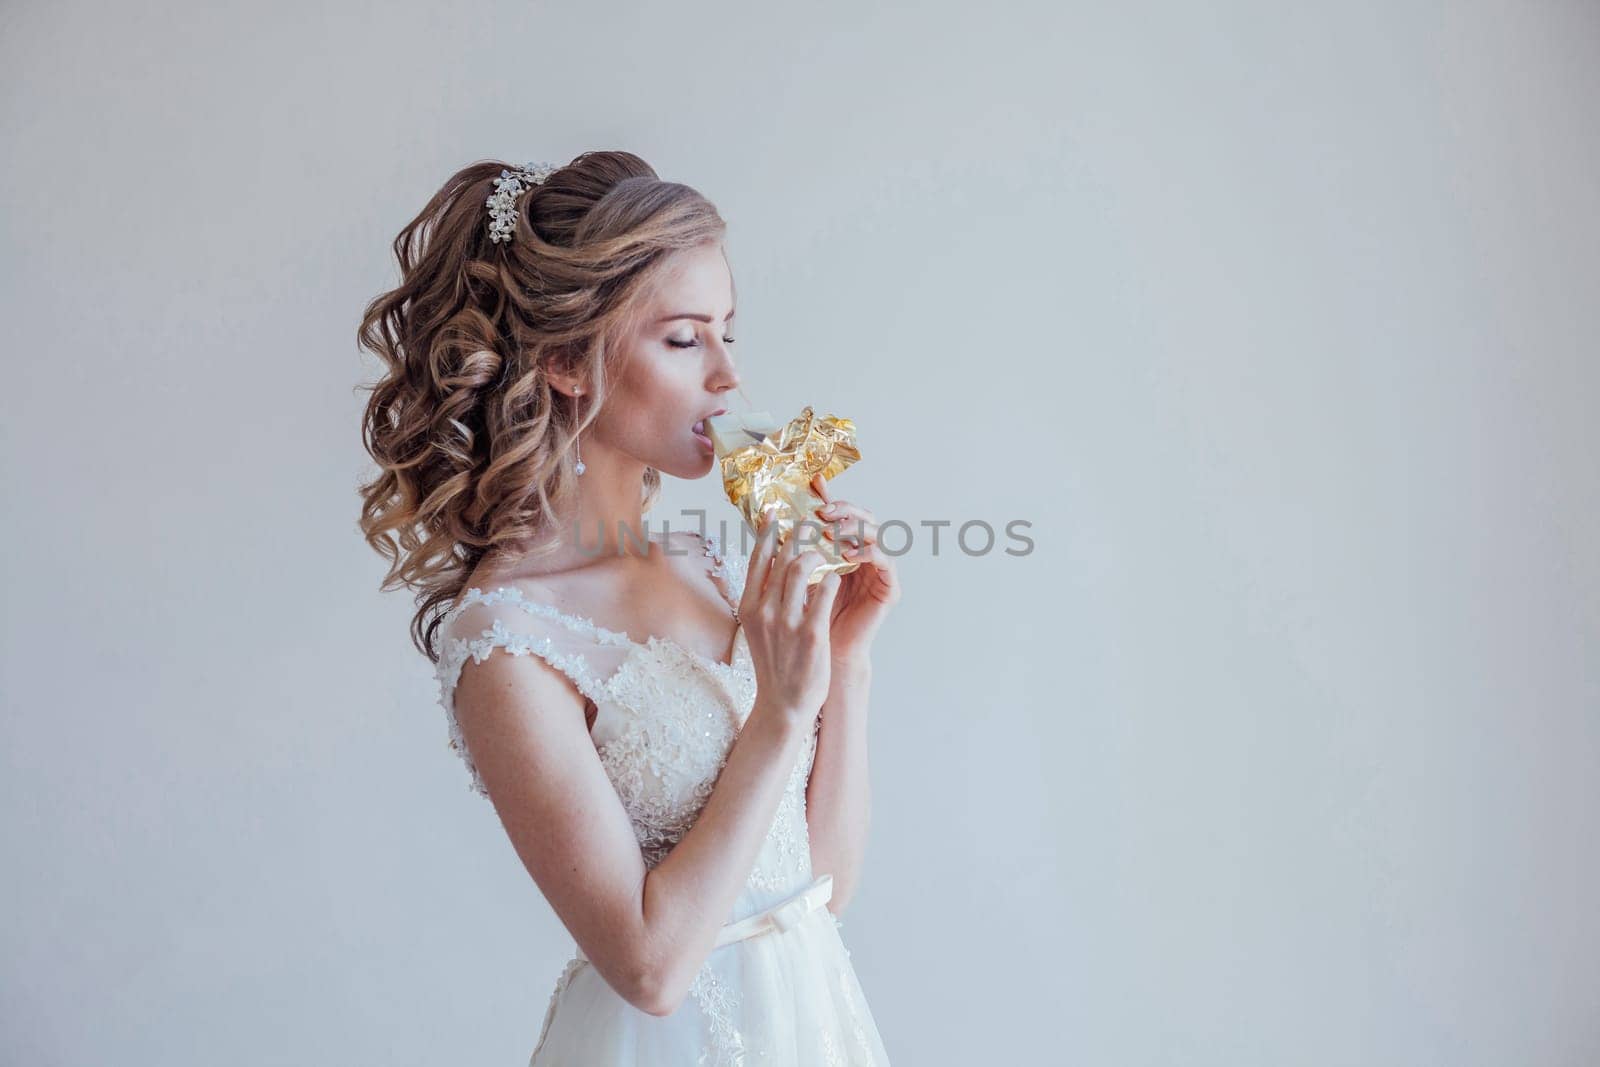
(457, 652)
(665, 764)
(717, 1004)
(731, 569)
(668, 720)
(680, 710)
(790, 836)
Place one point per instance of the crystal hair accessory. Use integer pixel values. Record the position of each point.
(503, 202)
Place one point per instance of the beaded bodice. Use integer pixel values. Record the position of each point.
(666, 717)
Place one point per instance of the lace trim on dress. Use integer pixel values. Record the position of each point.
(790, 834)
(584, 625)
(730, 570)
(718, 1003)
(457, 650)
(663, 761)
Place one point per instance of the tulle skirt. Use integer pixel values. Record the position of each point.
(778, 990)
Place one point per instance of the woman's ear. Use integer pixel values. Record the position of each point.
(565, 382)
(561, 378)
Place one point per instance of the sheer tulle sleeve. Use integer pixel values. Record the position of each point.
(504, 619)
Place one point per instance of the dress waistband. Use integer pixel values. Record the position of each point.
(782, 916)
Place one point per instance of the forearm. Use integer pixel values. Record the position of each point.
(688, 895)
(839, 795)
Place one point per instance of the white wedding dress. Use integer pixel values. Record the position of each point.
(779, 988)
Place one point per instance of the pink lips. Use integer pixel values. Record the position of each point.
(698, 428)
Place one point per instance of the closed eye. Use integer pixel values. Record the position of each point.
(694, 344)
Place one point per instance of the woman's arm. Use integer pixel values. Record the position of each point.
(524, 726)
(645, 931)
(690, 894)
(839, 794)
(648, 932)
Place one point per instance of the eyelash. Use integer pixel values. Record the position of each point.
(694, 344)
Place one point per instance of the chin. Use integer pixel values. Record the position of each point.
(689, 470)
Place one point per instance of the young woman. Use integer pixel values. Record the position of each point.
(674, 736)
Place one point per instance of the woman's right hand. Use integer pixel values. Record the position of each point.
(786, 625)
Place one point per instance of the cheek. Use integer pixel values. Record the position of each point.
(652, 394)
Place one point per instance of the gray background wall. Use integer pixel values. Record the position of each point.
(1276, 322)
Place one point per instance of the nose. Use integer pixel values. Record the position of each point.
(724, 374)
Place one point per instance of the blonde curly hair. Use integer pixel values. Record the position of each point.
(473, 445)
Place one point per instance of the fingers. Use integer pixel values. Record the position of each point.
(868, 554)
(849, 522)
(795, 585)
(887, 581)
(843, 519)
(802, 562)
(782, 553)
(836, 509)
(778, 582)
(819, 610)
(755, 586)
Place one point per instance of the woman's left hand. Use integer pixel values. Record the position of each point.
(865, 594)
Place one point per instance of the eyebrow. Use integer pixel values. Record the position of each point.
(688, 315)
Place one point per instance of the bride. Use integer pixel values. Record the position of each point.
(673, 734)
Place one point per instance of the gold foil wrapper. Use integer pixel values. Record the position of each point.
(767, 471)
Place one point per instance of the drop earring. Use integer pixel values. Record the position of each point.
(579, 468)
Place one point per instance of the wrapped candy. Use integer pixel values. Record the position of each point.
(767, 471)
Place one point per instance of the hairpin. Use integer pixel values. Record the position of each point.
(503, 202)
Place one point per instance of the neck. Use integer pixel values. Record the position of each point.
(608, 521)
